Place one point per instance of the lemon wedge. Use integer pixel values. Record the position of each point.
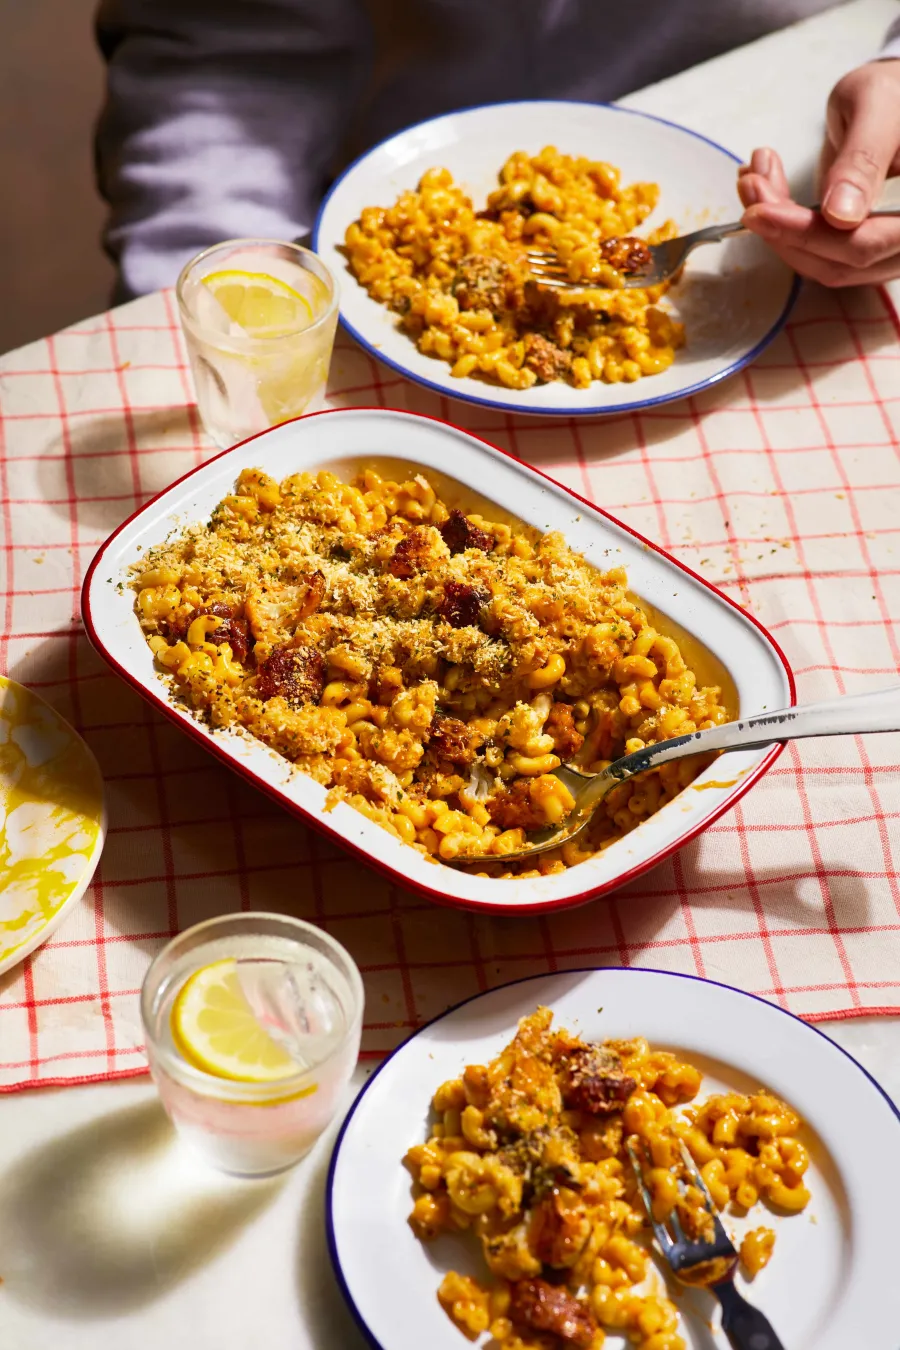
(261, 304)
(215, 1029)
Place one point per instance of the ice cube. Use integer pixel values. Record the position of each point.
(210, 314)
(296, 1005)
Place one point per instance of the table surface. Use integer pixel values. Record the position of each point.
(106, 1227)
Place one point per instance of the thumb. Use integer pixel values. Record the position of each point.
(861, 159)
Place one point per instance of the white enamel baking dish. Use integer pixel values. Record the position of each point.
(346, 440)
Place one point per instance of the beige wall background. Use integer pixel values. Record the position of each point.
(52, 268)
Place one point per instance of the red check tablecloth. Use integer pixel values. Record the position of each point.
(780, 486)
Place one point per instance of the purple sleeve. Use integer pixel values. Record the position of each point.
(223, 118)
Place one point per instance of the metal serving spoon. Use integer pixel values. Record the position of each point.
(664, 260)
(848, 716)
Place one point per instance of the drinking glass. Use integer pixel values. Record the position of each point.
(306, 991)
(245, 380)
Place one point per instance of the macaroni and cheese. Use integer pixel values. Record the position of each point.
(529, 1154)
(430, 667)
(459, 278)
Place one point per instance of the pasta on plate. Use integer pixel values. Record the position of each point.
(528, 1154)
(431, 668)
(459, 279)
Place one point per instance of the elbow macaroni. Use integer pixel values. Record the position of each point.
(460, 282)
(434, 685)
(544, 1185)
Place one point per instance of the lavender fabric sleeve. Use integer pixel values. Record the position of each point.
(222, 119)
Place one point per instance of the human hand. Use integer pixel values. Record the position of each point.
(839, 245)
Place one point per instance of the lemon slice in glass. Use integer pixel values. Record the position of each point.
(261, 304)
(214, 1028)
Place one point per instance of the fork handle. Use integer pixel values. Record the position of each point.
(745, 1326)
(887, 203)
(714, 234)
(849, 715)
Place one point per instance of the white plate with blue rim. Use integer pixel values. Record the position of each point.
(733, 298)
(831, 1283)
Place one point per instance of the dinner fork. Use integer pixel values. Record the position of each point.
(662, 261)
(847, 716)
(709, 1264)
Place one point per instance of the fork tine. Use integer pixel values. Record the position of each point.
(662, 1233)
(697, 1178)
(545, 266)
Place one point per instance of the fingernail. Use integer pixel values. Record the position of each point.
(845, 201)
(762, 160)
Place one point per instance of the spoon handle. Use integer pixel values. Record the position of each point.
(845, 716)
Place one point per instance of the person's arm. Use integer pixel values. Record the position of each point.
(840, 246)
(223, 118)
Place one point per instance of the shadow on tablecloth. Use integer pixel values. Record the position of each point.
(112, 1215)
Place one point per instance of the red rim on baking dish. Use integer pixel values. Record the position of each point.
(348, 439)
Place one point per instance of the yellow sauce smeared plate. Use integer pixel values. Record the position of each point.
(52, 822)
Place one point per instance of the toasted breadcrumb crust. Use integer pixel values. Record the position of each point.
(428, 666)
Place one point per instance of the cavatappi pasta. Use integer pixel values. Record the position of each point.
(432, 668)
(528, 1155)
(459, 280)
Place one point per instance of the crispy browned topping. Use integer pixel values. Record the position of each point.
(626, 254)
(452, 740)
(512, 808)
(231, 629)
(481, 283)
(236, 632)
(296, 673)
(411, 555)
(458, 533)
(381, 598)
(545, 358)
(561, 727)
(593, 1081)
(559, 1228)
(539, 1306)
(461, 604)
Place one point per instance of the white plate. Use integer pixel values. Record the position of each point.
(832, 1283)
(734, 298)
(347, 440)
(52, 821)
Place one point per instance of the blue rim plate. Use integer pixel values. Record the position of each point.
(734, 298)
(831, 1282)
